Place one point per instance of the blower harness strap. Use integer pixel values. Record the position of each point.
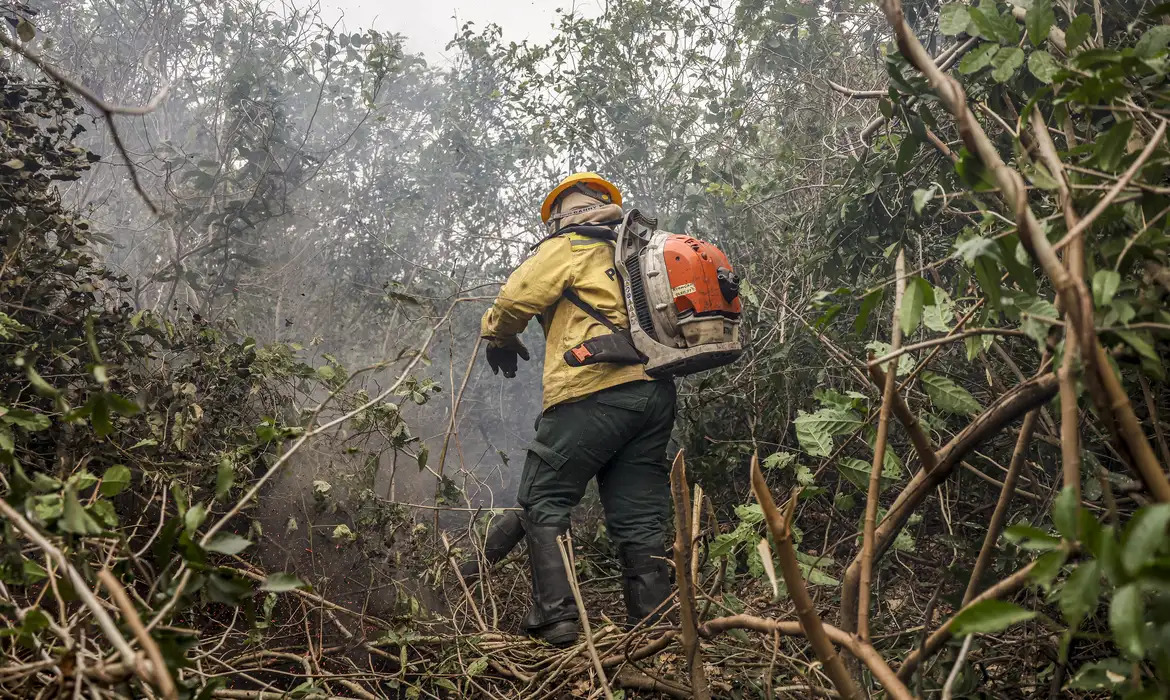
(616, 346)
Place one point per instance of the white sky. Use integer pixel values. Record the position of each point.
(429, 24)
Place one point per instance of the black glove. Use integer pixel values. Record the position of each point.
(504, 357)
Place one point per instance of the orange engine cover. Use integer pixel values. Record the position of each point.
(694, 269)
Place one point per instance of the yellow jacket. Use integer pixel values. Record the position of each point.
(536, 288)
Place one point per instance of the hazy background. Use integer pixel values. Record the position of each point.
(428, 26)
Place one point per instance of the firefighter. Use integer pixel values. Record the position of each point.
(606, 420)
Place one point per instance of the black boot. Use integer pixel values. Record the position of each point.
(502, 537)
(647, 583)
(553, 616)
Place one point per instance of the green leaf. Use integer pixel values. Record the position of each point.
(868, 304)
(227, 543)
(1153, 41)
(1078, 30)
(921, 198)
(1033, 312)
(1140, 341)
(82, 480)
(32, 422)
(941, 314)
(953, 19)
(813, 569)
(984, 22)
(750, 513)
(225, 477)
(815, 431)
(7, 444)
(33, 572)
(343, 533)
(1039, 21)
(1047, 568)
(989, 617)
(804, 475)
(99, 415)
(282, 582)
(906, 152)
(948, 396)
(25, 30)
(74, 519)
(917, 291)
(122, 405)
(778, 460)
(1064, 513)
(423, 453)
(115, 480)
(194, 517)
(1106, 674)
(1144, 536)
(1005, 62)
(1043, 66)
(1031, 538)
(103, 513)
(47, 507)
(1126, 619)
(858, 471)
(979, 58)
(1109, 149)
(39, 384)
(1078, 597)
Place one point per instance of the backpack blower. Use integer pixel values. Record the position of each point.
(682, 299)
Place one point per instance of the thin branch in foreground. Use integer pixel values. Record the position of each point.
(686, 588)
(162, 677)
(999, 516)
(565, 544)
(942, 341)
(780, 525)
(879, 456)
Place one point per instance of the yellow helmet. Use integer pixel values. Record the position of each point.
(592, 180)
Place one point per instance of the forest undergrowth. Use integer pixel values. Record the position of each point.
(940, 470)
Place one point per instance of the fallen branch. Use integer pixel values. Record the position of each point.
(81, 588)
(788, 628)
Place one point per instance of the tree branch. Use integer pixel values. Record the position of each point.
(686, 587)
(1020, 400)
(879, 455)
(108, 110)
(780, 525)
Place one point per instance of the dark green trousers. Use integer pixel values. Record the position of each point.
(618, 436)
